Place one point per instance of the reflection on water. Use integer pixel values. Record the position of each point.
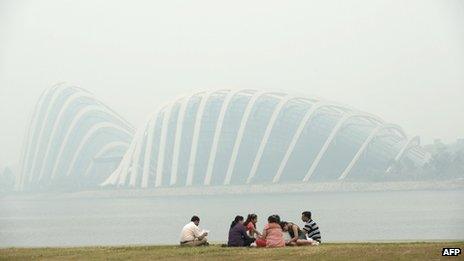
(353, 216)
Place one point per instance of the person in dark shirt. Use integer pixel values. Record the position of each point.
(238, 236)
(297, 236)
(311, 228)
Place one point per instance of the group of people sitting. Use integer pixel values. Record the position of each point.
(244, 232)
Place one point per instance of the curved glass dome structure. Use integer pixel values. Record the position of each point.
(72, 141)
(226, 137)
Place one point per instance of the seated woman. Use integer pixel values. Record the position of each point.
(272, 234)
(237, 234)
(297, 236)
(250, 224)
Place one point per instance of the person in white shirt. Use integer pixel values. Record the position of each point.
(191, 234)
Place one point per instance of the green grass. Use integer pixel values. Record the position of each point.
(333, 251)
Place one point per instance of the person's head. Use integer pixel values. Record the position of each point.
(253, 218)
(306, 216)
(237, 219)
(273, 219)
(284, 225)
(195, 220)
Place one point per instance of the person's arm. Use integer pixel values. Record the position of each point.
(264, 234)
(202, 235)
(295, 233)
(256, 231)
(197, 233)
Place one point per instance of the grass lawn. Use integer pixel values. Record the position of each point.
(328, 251)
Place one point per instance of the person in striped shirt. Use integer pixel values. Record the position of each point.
(311, 228)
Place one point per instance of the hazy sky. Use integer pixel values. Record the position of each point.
(401, 60)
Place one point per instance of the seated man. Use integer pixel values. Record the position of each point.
(191, 234)
(311, 228)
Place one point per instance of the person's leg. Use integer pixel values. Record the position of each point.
(187, 244)
(196, 242)
(302, 242)
(248, 241)
(200, 242)
(291, 244)
(261, 242)
(313, 242)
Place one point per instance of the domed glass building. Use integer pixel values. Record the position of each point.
(73, 141)
(238, 137)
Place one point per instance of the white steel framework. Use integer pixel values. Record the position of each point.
(153, 164)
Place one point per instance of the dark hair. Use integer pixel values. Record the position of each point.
(236, 220)
(249, 218)
(283, 224)
(307, 214)
(273, 219)
(195, 218)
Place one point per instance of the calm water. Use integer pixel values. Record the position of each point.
(353, 216)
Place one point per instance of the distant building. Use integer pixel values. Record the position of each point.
(69, 133)
(223, 137)
(228, 137)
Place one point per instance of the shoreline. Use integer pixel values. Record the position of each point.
(315, 187)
